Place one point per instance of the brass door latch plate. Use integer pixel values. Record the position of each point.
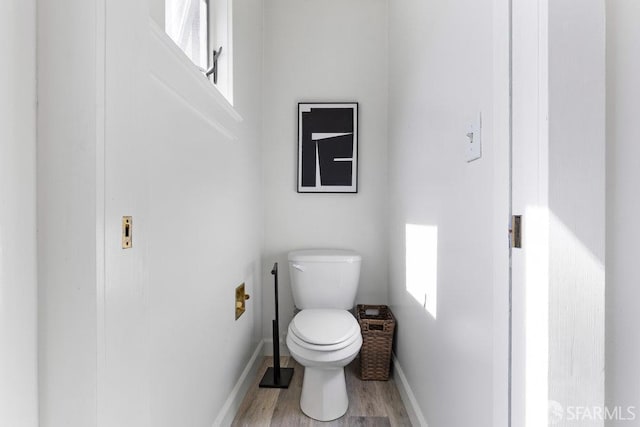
(515, 232)
(127, 230)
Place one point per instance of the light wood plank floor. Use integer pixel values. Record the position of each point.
(371, 403)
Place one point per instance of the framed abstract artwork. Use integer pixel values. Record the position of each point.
(328, 147)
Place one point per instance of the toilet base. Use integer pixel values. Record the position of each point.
(324, 393)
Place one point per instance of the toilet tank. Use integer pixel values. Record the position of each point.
(324, 278)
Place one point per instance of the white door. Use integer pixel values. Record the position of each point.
(529, 264)
(558, 175)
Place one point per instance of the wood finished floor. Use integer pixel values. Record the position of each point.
(371, 403)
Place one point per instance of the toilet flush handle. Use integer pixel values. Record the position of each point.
(297, 267)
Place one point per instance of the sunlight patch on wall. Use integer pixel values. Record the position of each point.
(422, 265)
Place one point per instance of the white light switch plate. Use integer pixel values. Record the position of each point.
(474, 139)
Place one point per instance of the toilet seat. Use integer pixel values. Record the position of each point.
(323, 347)
(324, 329)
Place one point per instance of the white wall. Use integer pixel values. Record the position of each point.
(441, 76)
(623, 204)
(144, 336)
(324, 51)
(186, 167)
(67, 213)
(18, 293)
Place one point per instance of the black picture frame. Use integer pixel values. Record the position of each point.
(327, 147)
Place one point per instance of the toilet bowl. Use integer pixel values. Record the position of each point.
(324, 341)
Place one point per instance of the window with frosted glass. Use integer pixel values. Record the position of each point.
(186, 22)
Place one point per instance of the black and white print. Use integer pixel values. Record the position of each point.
(327, 147)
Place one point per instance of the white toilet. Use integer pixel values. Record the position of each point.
(324, 337)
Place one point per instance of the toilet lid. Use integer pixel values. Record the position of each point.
(322, 347)
(324, 326)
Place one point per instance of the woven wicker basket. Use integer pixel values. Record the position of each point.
(377, 338)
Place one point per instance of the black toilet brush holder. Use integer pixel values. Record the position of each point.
(276, 377)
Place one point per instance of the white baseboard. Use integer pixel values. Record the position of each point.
(408, 398)
(268, 347)
(230, 407)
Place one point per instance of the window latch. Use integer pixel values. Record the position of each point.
(213, 70)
